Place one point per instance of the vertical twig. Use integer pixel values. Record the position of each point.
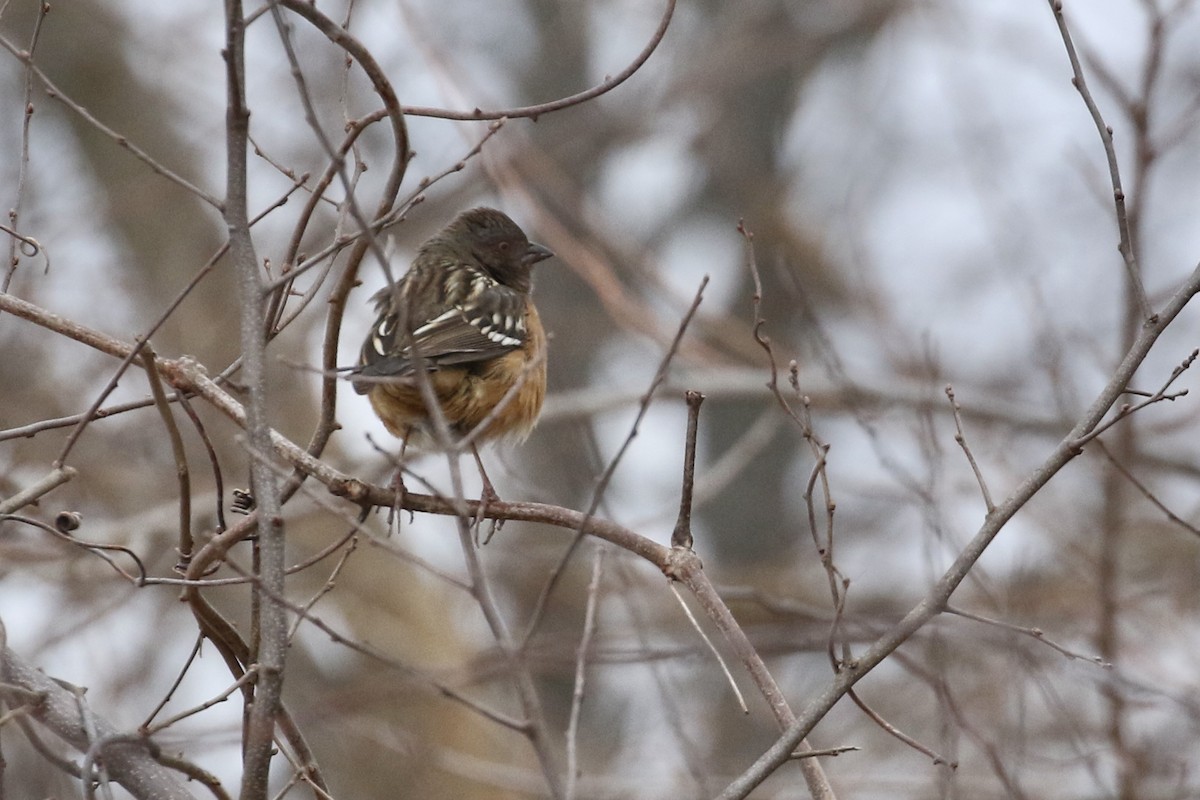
(602, 485)
(814, 774)
(14, 213)
(1126, 246)
(961, 437)
(178, 452)
(1114, 512)
(270, 618)
(581, 653)
(682, 535)
(534, 727)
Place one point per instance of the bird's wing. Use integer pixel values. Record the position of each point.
(486, 322)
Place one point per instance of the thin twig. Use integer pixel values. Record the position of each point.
(535, 111)
(214, 462)
(737, 693)
(14, 213)
(342, 38)
(1146, 492)
(247, 677)
(178, 452)
(61, 530)
(581, 660)
(1157, 397)
(684, 566)
(892, 730)
(1126, 246)
(193, 773)
(961, 438)
(53, 91)
(1034, 633)
(187, 665)
(826, 751)
(814, 775)
(329, 583)
(602, 484)
(682, 535)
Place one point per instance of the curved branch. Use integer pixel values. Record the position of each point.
(533, 112)
(326, 424)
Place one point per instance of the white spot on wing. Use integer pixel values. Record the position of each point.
(445, 315)
(502, 339)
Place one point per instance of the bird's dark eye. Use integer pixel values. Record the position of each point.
(504, 246)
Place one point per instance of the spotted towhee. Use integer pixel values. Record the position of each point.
(464, 314)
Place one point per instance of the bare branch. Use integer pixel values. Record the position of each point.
(1034, 633)
(682, 535)
(268, 619)
(1126, 246)
(535, 111)
(687, 612)
(602, 484)
(961, 438)
(30, 494)
(127, 759)
(581, 660)
(53, 91)
(939, 594)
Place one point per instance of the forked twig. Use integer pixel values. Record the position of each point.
(1127, 409)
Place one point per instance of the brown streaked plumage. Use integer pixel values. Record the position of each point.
(465, 313)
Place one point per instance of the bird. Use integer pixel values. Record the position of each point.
(463, 315)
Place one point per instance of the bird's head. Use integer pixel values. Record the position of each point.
(497, 244)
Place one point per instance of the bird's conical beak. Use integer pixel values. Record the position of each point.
(535, 253)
